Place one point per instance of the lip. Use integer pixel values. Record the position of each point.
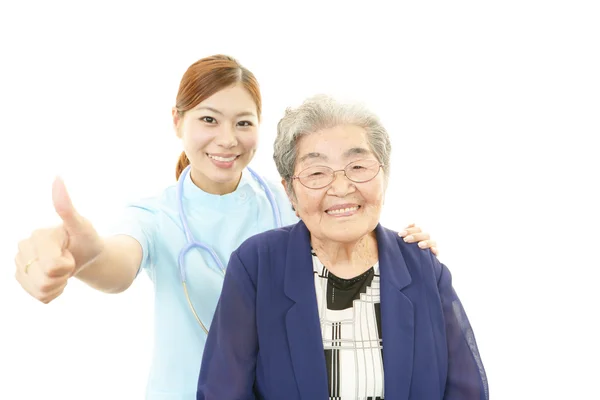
(224, 155)
(223, 164)
(354, 209)
(342, 206)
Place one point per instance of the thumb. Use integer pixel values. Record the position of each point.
(63, 205)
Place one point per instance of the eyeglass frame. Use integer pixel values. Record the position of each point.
(334, 174)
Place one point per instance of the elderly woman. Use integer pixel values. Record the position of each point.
(337, 306)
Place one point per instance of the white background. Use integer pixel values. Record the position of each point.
(493, 108)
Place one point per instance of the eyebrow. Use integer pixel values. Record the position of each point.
(313, 156)
(356, 151)
(241, 114)
(351, 152)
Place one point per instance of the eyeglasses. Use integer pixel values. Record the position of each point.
(320, 176)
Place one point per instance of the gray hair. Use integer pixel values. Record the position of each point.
(323, 112)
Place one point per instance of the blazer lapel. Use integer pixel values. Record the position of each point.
(302, 319)
(397, 317)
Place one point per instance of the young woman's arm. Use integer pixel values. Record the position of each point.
(50, 256)
(115, 268)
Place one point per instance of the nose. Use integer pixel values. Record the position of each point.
(341, 185)
(226, 137)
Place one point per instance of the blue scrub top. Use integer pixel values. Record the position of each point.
(222, 222)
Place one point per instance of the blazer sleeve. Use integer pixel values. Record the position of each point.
(229, 359)
(466, 379)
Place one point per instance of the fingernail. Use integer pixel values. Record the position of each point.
(408, 238)
(422, 244)
(403, 233)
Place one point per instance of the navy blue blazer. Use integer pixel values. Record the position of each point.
(265, 339)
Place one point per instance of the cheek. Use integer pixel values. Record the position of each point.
(248, 140)
(374, 194)
(197, 137)
(310, 202)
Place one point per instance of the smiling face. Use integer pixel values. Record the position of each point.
(343, 211)
(220, 136)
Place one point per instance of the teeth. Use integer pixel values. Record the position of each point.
(223, 159)
(342, 210)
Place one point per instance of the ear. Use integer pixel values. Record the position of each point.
(385, 187)
(176, 121)
(290, 198)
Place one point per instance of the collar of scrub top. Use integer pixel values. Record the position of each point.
(192, 242)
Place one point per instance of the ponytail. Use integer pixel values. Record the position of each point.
(181, 164)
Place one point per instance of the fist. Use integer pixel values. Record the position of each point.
(49, 257)
(44, 264)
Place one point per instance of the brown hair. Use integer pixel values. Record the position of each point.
(206, 77)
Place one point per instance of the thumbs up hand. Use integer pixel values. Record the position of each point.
(50, 256)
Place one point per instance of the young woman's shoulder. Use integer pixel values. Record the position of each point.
(162, 200)
(144, 214)
(288, 215)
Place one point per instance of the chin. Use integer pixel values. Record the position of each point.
(222, 175)
(348, 231)
(345, 235)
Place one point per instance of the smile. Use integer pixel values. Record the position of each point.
(222, 159)
(343, 211)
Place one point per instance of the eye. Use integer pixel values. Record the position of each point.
(245, 123)
(208, 120)
(363, 165)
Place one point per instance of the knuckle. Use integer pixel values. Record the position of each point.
(41, 235)
(48, 265)
(42, 264)
(49, 298)
(38, 296)
(37, 234)
(58, 267)
(46, 286)
(22, 245)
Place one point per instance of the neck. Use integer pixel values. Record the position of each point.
(347, 259)
(209, 186)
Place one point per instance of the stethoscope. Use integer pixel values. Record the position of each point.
(192, 243)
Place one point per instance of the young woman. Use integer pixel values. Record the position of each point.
(184, 237)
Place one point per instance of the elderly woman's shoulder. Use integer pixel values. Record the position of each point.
(413, 255)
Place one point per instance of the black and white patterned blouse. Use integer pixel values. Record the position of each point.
(349, 311)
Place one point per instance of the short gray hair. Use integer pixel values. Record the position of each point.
(322, 112)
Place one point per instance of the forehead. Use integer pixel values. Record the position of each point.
(333, 144)
(232, 100)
